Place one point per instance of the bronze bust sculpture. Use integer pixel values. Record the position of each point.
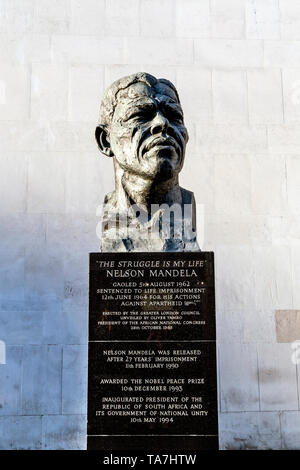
(141, 126)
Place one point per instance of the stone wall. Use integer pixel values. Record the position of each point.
(236, 64)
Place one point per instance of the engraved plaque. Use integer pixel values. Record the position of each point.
(152, 352)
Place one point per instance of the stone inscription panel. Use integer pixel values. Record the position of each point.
(138, 295)
(153, 388)
(152, 351)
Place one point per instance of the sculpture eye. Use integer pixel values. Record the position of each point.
(173, 114)
(177, 117)
(144, 113)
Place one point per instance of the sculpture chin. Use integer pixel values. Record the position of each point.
(164, 162)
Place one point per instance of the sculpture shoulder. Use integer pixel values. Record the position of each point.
(110, 199)
(187, 196)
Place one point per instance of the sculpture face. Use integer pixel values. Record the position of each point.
(147, 135)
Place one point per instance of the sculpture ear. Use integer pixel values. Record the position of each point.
(102, 140)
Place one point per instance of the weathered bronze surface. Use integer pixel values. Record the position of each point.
(141, 127)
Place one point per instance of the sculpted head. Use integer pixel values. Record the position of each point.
(141, 125)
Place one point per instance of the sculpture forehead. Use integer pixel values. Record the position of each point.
(139, 90)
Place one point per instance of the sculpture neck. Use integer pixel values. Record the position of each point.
(134, 189)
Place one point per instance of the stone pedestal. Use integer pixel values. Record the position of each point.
(152, 381)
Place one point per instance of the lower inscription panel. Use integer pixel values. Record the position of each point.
(155, 388)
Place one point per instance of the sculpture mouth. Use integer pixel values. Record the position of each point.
(162, 142)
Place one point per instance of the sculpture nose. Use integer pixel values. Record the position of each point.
(159, 123)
